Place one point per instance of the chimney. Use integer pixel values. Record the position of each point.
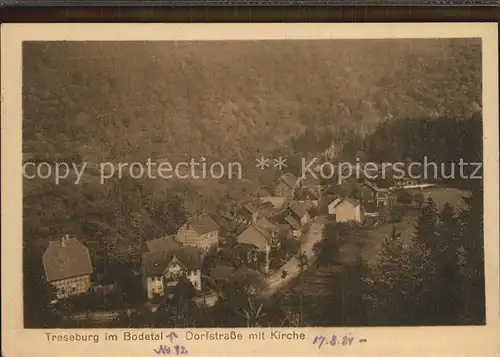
(64, 239)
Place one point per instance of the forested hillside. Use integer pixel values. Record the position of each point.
(130, 101)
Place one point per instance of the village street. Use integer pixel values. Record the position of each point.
(308, 239)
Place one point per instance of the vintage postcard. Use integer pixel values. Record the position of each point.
(250, 189)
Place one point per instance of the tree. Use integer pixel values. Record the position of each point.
(303, 264)
(289, 247)
(252, 313)
(170, 213)
(335, 236)
(38, 295)
(472, 258)
(425, 233)
(395, 283)
(419, 199)
(327, 250)
(448, 276)
(404, 197)
(358, 293)
(184, 291)
(233, 298)
(395, 213)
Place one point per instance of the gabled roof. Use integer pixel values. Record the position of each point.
(299, 208)
(155, 263)
(312, 193)
(202, 223)
(225, 222)
(289, 179)
(250, 207)
(332, 198)
(264, 223)
(310, 181)
(66, 258)
(374, 186)
(256, 236)
(165, 243)
(275, 201)
(283, 230)
(292, 222)
(353, 201)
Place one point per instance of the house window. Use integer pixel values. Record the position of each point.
(63, 291)
(73, 288)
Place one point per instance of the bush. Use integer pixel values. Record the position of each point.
(404, 197)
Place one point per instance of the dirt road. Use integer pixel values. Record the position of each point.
(313, 235)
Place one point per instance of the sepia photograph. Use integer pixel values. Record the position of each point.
(280, 183)
(120, 243)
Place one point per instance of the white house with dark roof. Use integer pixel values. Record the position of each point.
(199, 231)
(162, 269)
(348, 209)
(68, 267)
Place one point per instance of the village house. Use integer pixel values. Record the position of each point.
(300, 211)
(332, 203)
(257, 241)
(371, 192)
(294, 225)
(406, 182)
(286, 185)
(296, 215)
(68, 267)
(348, 209)
(199, 231)
(370, 209)
(228, 224)
(161, 269)
(310, 187)
(275, 201)
(248, 213)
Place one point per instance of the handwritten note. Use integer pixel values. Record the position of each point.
(173, 349)
(337, 340)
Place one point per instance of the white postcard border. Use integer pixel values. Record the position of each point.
(403, 341)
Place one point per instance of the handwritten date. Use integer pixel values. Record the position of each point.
(334, 340)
